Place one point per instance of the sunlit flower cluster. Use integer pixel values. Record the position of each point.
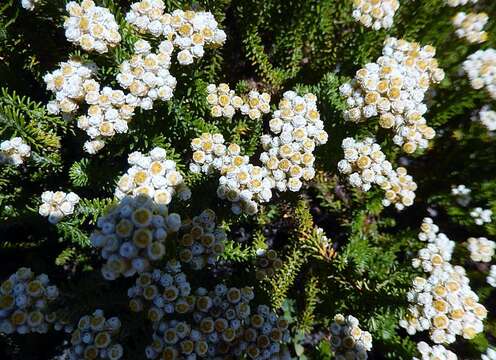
(14, 151)
(428, 230)
(488, 118)
(481, 249)
(69, 83)
(365, 165)
(153, 175)
(29, 4)
(96, 338)
(189, 31)
(267, 263)
(348, 341)
(481, 70)
(224, 102)
(132, 234)
(24, 300)
(161, 293)
(436, 352)
(470, 26)
(377, 14)
(481, 216)
(146, 74)
(296, 131)
(491, 278)
(92, 27)
(393, 88)
(445, 305)
(437, 252)
(287, 160)
(57, 205)
(108, 113)
(201, 241)
(489, 355)
(454, 3)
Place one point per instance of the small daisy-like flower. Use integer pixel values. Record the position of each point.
(57, 205)
(438, 352)
(487, 117)
(348, 340)
(481, 249)
(491, 278)
(481, 216)
(14, 151)
(469, 26)
(377, 14)
(481, 70)
(92, 27)
(29, 4)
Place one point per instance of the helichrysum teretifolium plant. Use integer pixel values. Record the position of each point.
(218, 180)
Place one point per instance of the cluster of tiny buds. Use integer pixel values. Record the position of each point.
(152, 175)
(481, 70)
(366, 165)
(29, 4)
(436, 352)
(462, 194)
(487, 117)
(445, 305)
(377, 14)
(393, 88)
(68, 84)
(14, 151)
(469, 26)
(438, 250)
(455, 3)
(489, 355)
(481, 216)
(161, 293)
(348, 341)
(24, 299)
(92, 27)
(481, 249)
(224, 102)
(132, 234)
(201, 241)
(57, 205)
(95, 338)
(491, 277)
(267, 263)
(146, 74)
(189, 31)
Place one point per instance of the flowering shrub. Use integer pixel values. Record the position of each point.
(225, 179)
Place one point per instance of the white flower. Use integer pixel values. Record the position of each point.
(469, 26)
(14, 151)
(57, 205)
(491, 278)
(29, 4)
(481, 249)
(481, 216)
(488, 118)
(481, 70)
(438, 352)
(347, 339)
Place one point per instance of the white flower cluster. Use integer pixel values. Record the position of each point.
(487, 117)
(366, 165)
(29, 4)
(491, 278)
(161, 293)
(455, 3)
(436, 352)
(189, 31)
(263, 335)
(377, 14)
(14, 151)
(348, 341)
(438, 250)
(132, 234)
(481, 70)
(108, 113)
(225, 102)
(24, 300)
(287, 160)
(469, 26)
(69, 83)
(481, 249)
(460, 190)
(481, 216)
(445, 305)
(95, 338)
(489, 355)
(152, 175)
(57, 205)
(147, 75)
(394, 88)
(267, 263)
(91, 27)
(201, 241)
